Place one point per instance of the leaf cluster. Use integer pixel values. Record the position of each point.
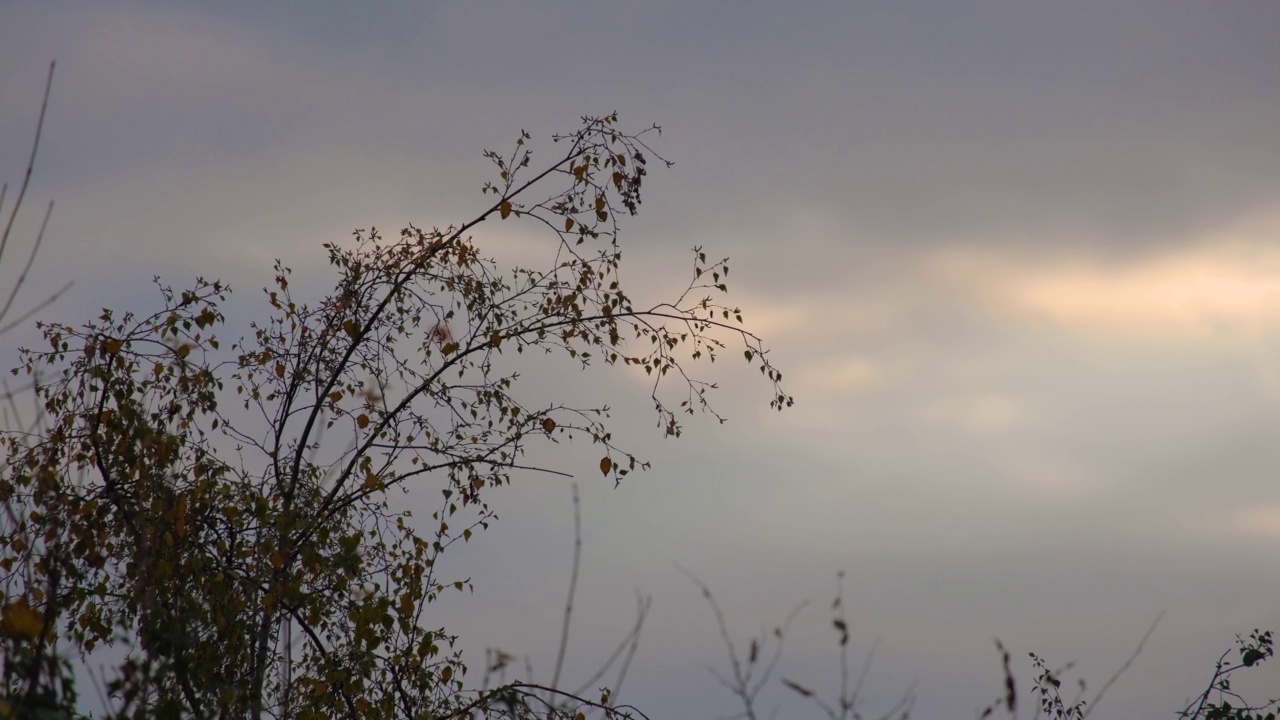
(220, 511)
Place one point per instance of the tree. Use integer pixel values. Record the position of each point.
(50, 682)
(223, 514)
(12, 312)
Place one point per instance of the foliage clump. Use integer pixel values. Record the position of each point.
(221, 512)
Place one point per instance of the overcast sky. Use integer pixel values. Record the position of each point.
(1019, 261)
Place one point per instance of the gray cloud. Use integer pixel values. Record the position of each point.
(976, 463)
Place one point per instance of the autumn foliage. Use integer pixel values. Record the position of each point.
(216, 512)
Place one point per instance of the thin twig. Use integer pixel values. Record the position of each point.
(31, 258)
(862, 674)
(1112, 681)
(51, 299)
(573, 589)
(631, 651)
(31, 163)
(628, 645)
(744, 686)
(13, 216)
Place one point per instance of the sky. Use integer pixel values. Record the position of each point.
(1019, 262)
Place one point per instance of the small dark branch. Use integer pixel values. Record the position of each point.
(635, 644)
(862, 676)
(573, 589)
(46, 626)
(1220, 670)
(13, 216)
(904, 704)
(184, 682)
(1116, 676)
(51, 299)
(531, 691)
(744, 685)
(31, 164)
(31, 258)
(1257, 649)
(378, 313)
(1010, 695)
(781, 635)
(628, 645)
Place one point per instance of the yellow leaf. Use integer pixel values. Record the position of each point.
(504, 209)
(335, 396)
(449, 348)
(362, 421)
(504, 175)
(477, 482)
(20, 619)
(606, 465)
(112, 346)
(351, 327)
(277, 559)
(184, 350)
(466, 535)
(568, 224)
(279, 370)
(446, 674)
(599, 202)
(548, 424)
(495, 339)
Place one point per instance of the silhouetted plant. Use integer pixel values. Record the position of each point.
(209, 507)
(38, 679)
(751, 671)
(1219, 701)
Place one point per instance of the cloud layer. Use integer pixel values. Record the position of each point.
(1019, 263)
